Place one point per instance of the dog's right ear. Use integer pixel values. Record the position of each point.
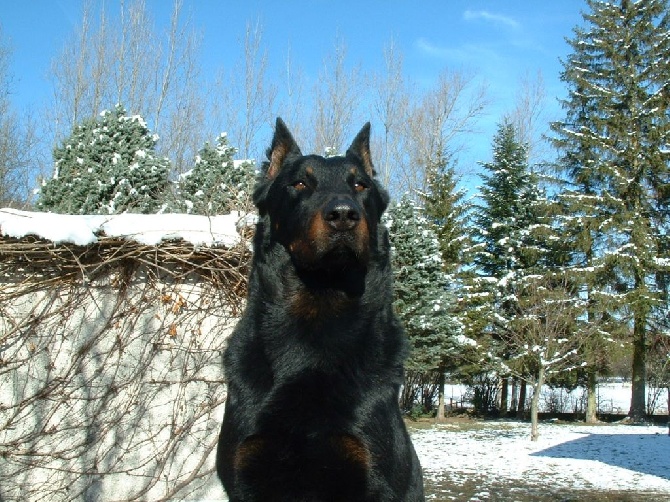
(283, 145)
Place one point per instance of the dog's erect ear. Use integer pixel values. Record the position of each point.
(283, 144)
(360, 148)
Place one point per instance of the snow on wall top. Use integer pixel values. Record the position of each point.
(149, 229)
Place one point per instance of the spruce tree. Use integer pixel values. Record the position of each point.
(107, 165)
(217, 184)
(614, 155)
(504, 250)
(512, 249)
(446, 207)
(421, 298)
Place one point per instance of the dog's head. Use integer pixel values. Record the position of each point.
(324, 211)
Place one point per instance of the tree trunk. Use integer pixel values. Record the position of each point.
(440, 402)
(521, 407)
(638, 408)
(504, 384)
(515, 393)
(591, 397)
(535, 405)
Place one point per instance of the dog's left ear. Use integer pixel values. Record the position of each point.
(360, 148)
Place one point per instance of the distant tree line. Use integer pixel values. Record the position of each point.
(558, 269)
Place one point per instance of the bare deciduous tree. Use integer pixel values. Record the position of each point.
(248, 97)
(435, 124)
(390, 105)
(18, 140)
(293, 106)
(528, 115)
(151, 74)
(546, 334)
(336, 100)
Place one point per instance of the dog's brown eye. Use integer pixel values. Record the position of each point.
(299, 185)
(359, 187)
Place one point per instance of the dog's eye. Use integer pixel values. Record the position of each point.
(299, 185)
(360, 186)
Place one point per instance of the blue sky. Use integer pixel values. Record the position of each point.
(497, 40)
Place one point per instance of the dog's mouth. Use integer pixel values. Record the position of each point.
(338, 264)
(337, 253)
(340, 268)
(343, 255)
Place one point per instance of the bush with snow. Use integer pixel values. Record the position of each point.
(217, 184)
(107, 165)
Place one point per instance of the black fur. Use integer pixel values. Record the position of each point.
(315, 364)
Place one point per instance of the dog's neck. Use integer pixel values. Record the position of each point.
(315, 295)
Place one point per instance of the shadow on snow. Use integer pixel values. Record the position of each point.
(644, 453)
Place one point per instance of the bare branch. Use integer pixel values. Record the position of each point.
(111, 382)
(336, 99)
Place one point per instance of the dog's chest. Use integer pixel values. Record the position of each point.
(312, 405)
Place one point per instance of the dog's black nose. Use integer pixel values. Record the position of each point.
(341, 214)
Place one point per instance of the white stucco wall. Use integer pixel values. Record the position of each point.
(111, 390)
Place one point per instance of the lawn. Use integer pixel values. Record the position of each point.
(495, 460)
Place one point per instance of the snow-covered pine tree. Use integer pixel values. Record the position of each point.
(446, 207)
(107, 165)
(217, 184)
(501, 253)
(614, 152)
(422, 301)
(580, 220)
(512, 250)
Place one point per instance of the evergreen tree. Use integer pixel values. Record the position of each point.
(217, 184)
(445, 206)
(108, 165)
(447, 210)
(421, 298)
(614, 154)
(504, 250)
(514, 248)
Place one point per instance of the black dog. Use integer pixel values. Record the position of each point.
(316, 362)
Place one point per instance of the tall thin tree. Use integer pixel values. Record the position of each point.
(613, 144)
(18, 140)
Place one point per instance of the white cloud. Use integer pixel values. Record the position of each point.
(499, 19)
(430, 49)
(472, 54)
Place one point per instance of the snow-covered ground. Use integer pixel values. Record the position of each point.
(474, 461)
(567, 457)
